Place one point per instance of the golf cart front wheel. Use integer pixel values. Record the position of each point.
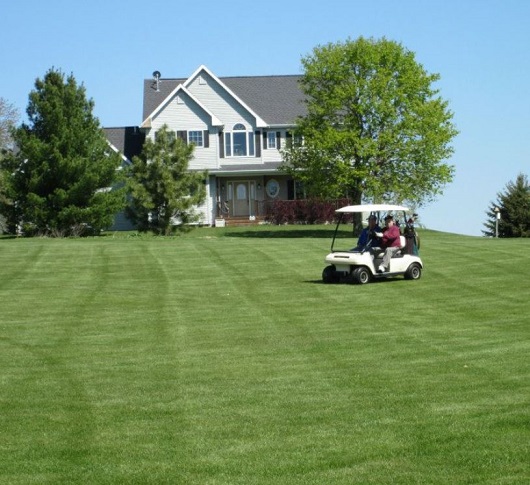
(329, 275)
(413, 272)
(361, 276)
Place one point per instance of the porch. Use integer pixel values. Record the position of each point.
(235, 221)
(256, 214)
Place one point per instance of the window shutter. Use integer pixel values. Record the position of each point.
(278, 140)
(221, 145)
(265, 140)
(258, 144)
(206, 139)
(183, 135)
(289, 139)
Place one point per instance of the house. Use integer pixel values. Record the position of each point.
(238, 126)
(128, 142)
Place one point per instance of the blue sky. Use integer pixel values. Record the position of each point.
(479, 47)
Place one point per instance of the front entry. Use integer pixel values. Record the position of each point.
(241, 199)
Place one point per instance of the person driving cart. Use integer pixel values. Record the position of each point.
(368, 238)
(364, 262)
(390, 242)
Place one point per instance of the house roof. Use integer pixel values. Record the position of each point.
(128, 140)
(153, 97)
(278, 100)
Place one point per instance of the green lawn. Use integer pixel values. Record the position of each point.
(219, 357)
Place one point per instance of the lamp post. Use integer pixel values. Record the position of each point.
(497, 218)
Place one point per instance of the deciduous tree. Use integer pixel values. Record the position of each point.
(376, 128)
(8, 120)
(164, 193)
(59, 180)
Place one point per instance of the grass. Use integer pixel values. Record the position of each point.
(219, 357)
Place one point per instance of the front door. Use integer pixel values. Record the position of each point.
(241, 199)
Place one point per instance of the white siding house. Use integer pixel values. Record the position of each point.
(238, 126)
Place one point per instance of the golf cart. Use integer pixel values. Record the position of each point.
(359, 264)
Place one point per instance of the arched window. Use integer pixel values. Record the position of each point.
(239, 142)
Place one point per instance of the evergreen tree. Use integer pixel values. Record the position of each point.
(59, 181)
(514, 208)
(164, 193)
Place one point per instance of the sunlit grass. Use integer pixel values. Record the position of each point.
(219, 357)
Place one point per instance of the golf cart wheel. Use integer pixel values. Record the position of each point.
(413, 272)
(361, 276)
(329, 275)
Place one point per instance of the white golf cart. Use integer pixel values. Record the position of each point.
(359, 264)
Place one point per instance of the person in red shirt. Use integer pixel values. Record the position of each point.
(390, 242)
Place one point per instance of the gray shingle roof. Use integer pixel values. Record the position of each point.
(278, 100)
(128, 140)
(152, 97)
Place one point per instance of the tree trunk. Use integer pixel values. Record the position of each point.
(356, 198)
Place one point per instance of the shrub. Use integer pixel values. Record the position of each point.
(303, 211)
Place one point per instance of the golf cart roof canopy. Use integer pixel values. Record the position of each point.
(371, 208)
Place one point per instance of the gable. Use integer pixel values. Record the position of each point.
(277, 100)
(173, 99)
(153, 97)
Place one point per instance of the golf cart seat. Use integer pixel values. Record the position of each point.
(402, 244)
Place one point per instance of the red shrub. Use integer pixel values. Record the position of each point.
(303, 211)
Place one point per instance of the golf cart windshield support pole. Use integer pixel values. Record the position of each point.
(336, 230)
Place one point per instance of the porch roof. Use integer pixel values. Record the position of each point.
(247, 169)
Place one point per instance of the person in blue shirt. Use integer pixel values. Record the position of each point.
(368, 239)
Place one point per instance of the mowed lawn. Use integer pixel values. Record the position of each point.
(219, 357)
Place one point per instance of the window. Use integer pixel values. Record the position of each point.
(228, 144)
(250, 144)
(295, 190)
(239, 139)
(195, 137)
(272, 187)
(295, 140)
(298, 141)
(241, 191)
(271, 139)
(239, 142)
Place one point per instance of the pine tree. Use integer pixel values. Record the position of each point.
(164, 193)
(59, 181)
(513, 205)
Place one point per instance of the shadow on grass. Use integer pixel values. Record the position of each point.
(351, 283)
(287, 233)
